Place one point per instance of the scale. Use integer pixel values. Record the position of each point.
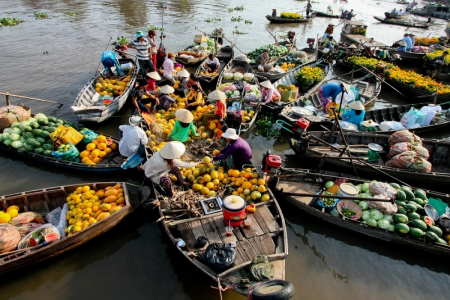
(301, 112)
(211, 205)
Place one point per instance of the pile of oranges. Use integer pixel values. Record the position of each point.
(111, 87)
(97, 150)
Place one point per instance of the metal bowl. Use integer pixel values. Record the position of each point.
(375, 147)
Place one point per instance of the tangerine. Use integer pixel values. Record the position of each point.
(101, 138)
(108, 150)
(90, 146)
(101, 146)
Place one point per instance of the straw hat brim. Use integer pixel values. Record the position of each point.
(166, 90)
(217, 95)
(352, 46)
(154, 75)
(183, 73)
(184, 115)
(230, 134)
(172, 150)
(346, 87)
(134, 120)
(357, 105)
(267, 84)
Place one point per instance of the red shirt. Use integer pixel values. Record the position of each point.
(220, 109)
(151, 85)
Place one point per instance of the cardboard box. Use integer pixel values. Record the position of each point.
(200, 39)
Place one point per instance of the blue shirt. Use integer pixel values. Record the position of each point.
(331, 89)
(408, 42)
(110, 56)
(352, 117)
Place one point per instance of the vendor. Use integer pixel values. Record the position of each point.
(261, 62)
(352, 50)
(137, 99)
(329, 30)
(133, 138)
(330, 43)
(221, 108)
(408, 42)
(212, 63)
(355, 114)
(193, 79)
(194, 98)
(382, 54)
(269, 92)
(182, 90)
(165, 102)
(182, 127)
(438, 64)
(109, 60)
(329, 91)
(412, 36)
(237, 153)
(165, 162)
(152, 78)
(169, 70)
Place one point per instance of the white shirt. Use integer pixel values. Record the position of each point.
(214, 61)
(168, 67)
(156, 167)
(133, 136)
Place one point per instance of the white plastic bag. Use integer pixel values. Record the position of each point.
(57, 218)
(412, 117)
(391, 125)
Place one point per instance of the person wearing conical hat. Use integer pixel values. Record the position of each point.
(152, 78)
(143, 50)
(194, 98)
(355, 114)
(183, 76)
(166, 162)
(183, 125)
(165, 102)
(133, 138)
(269, 92)
(220, 111)
(237, 153)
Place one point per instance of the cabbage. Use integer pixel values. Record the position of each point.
(371, 222)
(249, 77)
(17, 144)
(228, 76)
(364, 205)
(236, 93)
(376, 215)
(15, 124)
(7, 142)
(40, 116)
(229, 93)
(358, 187)
(391, 228)
(383, 223)
(238, 76)
(365, 216)
(14, 137)
(16, 130)
(389, 218)
(365, 187)
(7, 130)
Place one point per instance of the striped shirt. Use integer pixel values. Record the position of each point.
(142, 49)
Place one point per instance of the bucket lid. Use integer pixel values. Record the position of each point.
(301, 112)
(431, 212)
(348, 189)
(234, 203)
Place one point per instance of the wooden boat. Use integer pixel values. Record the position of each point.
(241, 67)
(417, 94)
(276, 76)
(267, 235)
(224, 56)
(289, 79)
(86, 106)
(358, 141)
(369, 88)
(45, 200)
(286, 20)
(409, 56)
(308, 181)
(326, 15)
(432, 10)
(391, 15)
(401, 23)
(354, 32)
(192, 61)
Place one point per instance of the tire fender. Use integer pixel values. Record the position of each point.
(286, 292)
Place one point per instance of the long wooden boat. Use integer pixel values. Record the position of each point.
(369, 88)
(308, 181)
(410, 56)
(224, 56)
(354, 32)
(432, 10)
(241, 67)
(267, 235)
(192, 61)
(401, 23)
(86, 106)
(286, 20)
(390, 15)
(325, 15)
(417, 94)
(289, 79)
(439, 151)
(44, 201)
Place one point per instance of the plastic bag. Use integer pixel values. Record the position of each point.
(249, 77)
(250, 97)
(402, 147)
(27, 217)
(57, 218)
(88, 135)
(391, 125)
(228, 76)
(71, 154)
(277, 70)
(381, 188)
(261, 269)
(404, 136)
(412, 117)
(39, 236)
(9, 237)
(220, 256)
(410, 160)
(238, 76)
(26, 228)
(384, 207)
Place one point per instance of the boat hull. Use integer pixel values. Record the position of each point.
(286, 20)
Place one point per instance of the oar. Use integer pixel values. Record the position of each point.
(29, 98)
(105, 50)
(384, 81)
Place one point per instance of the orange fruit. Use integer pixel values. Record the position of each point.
(90, 146)
(84, 153)
(113, 146)
(85, 159)
(95, 152)
(97, 159)
(95, 142)
(102, 154)
(108, 150)
(101, 138)
(101, 146)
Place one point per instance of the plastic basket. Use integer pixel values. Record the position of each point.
(294, 95)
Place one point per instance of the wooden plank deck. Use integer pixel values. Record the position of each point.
(296, 187)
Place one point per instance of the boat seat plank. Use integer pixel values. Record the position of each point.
(220, 226)
(267, 244)
(210, 231)
(248, 249)
(302, 187)
(242, 254)
(272, 225)
(253, 230)
(197, 229)
(238, 234)
(257, 246)
(279, 269)
(187, 235)
(260, 219)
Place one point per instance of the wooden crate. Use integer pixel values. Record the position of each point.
(200, 39)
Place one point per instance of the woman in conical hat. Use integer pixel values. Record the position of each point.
(182, 127)
(220, 110)
(356, 113)
(269, 92)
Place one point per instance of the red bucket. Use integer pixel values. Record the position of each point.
(234, 210)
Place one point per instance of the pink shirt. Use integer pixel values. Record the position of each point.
(271, 93)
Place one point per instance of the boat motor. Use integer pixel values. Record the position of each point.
(291, 36)
(301, 126)
(311, 42)
(270, 162)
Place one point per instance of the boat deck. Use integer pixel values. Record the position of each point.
(293, 186)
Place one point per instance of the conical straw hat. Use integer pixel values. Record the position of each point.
(167, 89)
(154, 75)
(184, 115)
(267, 84)
(172, 150)
(357, 105)
(183, 73)
(217, 95)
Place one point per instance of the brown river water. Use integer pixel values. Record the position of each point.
(134, 259)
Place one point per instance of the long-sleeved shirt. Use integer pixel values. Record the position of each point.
(352, 117)
(181, 134)
(168, 67)
(156, 167)
(133, 136)
(239, 149)
(270, 93)
(331, 89)
(221, 109)
(261, 61)
(164, 102)
(111, 56)
(195, 95)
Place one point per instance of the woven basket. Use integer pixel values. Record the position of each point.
(349, 204)
(5, 123)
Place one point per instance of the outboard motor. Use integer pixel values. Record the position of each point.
(301, 126)
(270, 162)
(291, 36)
(311, 42)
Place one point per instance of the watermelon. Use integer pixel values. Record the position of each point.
(27, 129)
(419, 224)
(15, 125)
(435, 230)
(53, 236)
(413, 216)
(410, 207)
(395, 186)
(36, 144)
(44, 128)
(420, 194)
(17, 144)
(47, 152)
(40, 140)
(37, 132)
(34, 125)
(44, 134)
(400, 203)
(416, 232)
(38, 150)
(47, 146)
(42, 121)
(401, 195)
(391, 228)
(409, 194)
(402, 228)
(51, 129)
(28, 135)
(432, 236)
(14, 137)
(51, 119)
(441, 241)
(28, 148)
(419, 201)
(400, 218)
(429, 221)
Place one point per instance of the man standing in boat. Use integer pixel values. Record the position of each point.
(438, 64)
(143, 50)
(350, 15)
(308, 8)
(261, 62)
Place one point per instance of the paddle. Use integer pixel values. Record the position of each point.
(384, 81)
(29, 98)
(100, 61)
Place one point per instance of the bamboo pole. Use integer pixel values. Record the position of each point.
(29, 98)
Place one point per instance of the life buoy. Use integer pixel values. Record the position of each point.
(273, 290)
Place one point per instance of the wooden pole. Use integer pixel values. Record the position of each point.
(7, 99)
(105, 50)
(29, 98)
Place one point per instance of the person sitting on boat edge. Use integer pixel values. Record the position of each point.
(329, 30)
(269, 92)
(261, 62)
(350, 15)
(331, 43)
(165, 102)
(408, 42)
(183, 125)
(355, 114)
(194, 98)
(169, 70)
(138, 100)
(143, 50)
(183, 76)
(193, 79)
(152, 77)
(165, 162)
(109, 60)
(133, 138)
(212, 63)
(220, 111)
(437, 64)
(237, 153)
(329, 91)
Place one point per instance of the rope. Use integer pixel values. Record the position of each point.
(220, 288)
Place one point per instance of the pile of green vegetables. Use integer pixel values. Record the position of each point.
(274, 51)
(265, 128)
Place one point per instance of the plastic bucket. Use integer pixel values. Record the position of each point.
(294, 95)
(347, 189)
(286, 96)
(328, 209)
(233, 209)
(126, 67)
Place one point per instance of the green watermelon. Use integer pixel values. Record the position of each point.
(435, 230)
(395, 186)
(413, 216)
(400, 203)
(28, 148)
(51, 129)
(402, 228)
(44, 128)
(429, 221)
(47, 152)
(441, 241)
(47, 146)
(416, 232)
(38, 150)
(37, 132)
(42, 121)
(401, 196)
(40, 140)
(420, 194)
(409, 194)
(51, 119)
(28, 135)
(410, 207)
(51, 124)
(419, 224)
(7, 142)
(432, 236)
(27, 129)
(402, 211)
(44, 134)
(34, 125)
(400, 218)
(419, 201)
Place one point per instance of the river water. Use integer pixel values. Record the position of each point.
(134, 259)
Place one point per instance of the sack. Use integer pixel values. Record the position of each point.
(413, 116)
(384, 189)
(404, 136)
(67, 135)
(391, 125)
(384, 207)
(27, 217)
(410, 160)
(57, 218)
(220, 256)
(9, 237)
(13, 113)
